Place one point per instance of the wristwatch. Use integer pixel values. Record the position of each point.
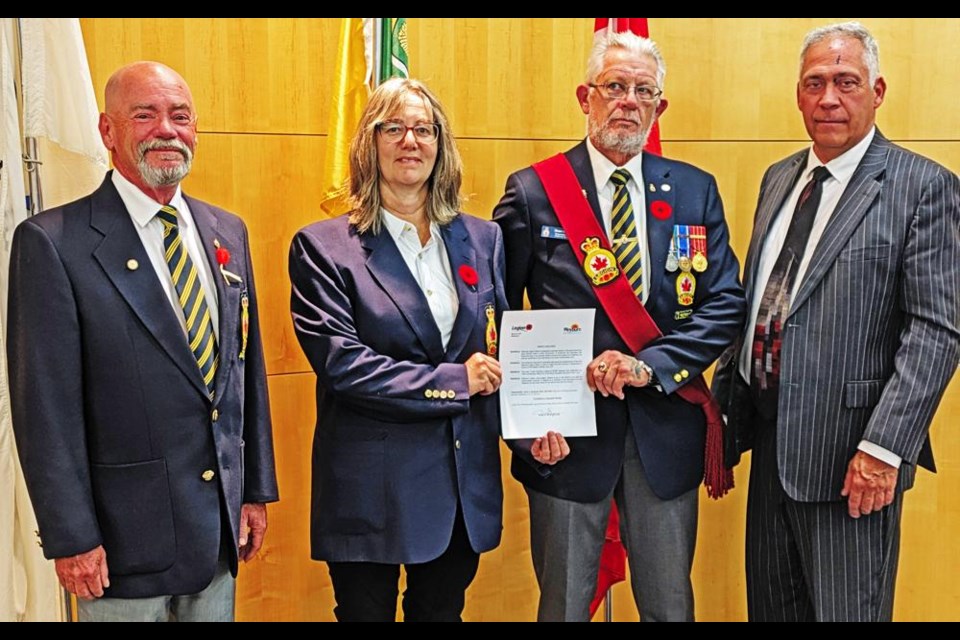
(639, 367)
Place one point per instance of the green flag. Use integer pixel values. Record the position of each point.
(393, 49)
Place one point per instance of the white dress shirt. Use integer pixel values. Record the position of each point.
(602, 170)
(430, 267)
(841, 171)
(143, 210)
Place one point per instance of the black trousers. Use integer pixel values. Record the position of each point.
(810, 561)
(436, 590)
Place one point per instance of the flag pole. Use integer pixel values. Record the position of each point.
(31, 158)
(31, 161)
(377, 58)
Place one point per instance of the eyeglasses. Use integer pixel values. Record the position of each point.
(425, 132)
(844, 84)
(619, 90)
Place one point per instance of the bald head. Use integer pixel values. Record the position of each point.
(150, 127)
(134, 78)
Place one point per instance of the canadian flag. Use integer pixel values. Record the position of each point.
(613, 558)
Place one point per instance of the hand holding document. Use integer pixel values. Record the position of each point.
(544, 356)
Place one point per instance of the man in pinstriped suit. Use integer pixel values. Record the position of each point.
(851, 340)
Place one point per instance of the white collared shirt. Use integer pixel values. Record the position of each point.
(143, 210)
(841, 171)
(430, 267)
(602, 170)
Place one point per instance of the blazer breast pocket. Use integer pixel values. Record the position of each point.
(862, 394)
(485, 296)
(865, 253)
(556, 247)
(136, 516)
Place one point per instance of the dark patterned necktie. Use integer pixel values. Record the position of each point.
(775, 304)
(191, 296)
(623, 227)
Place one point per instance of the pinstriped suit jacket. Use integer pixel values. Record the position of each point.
(872, 339)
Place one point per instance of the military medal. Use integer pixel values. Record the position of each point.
(683, 247)
(699, 262)
(244, 323)
(599, 264)
(686, 288)
(686, 282)
(698, 241)
(491, 331)
(672, 262)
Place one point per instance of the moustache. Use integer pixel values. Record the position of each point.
(623, 116)
(165, 145)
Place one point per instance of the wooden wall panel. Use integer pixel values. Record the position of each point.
(271, 181)
(231, 65)
(262, 90)
(727, 79)
(929, 554)
(282, 582)
(504, 78)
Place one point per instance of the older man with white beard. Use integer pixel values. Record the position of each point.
(137, 377)
(643, 240)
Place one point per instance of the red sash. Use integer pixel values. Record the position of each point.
(628, 315)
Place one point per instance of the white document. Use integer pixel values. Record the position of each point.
(544, 356)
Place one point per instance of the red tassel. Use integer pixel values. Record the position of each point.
(716, 477)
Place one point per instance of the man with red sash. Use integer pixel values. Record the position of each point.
(643, 240)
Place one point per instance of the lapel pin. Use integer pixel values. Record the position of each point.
(653, 188)
(469, 276)
(132, 264)
(223, 257)
(664, 187)
(661, 209)
(244, 324)
(491, 330)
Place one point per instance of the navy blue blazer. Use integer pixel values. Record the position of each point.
(669, 432)
(119, 442)
(398, 440)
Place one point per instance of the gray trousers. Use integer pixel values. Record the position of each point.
(810, 561)
(213, 604)
(566, 539)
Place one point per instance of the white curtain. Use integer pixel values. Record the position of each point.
(60, 110)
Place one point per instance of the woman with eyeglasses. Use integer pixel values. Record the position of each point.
(395, 306)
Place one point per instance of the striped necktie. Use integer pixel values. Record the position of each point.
(190, 292)
(626, 246)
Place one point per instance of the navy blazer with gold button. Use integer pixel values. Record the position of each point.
(399, 442)
(669, 432)
(119, 440)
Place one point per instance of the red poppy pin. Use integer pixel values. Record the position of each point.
(223, 258)
(661, 209)
(469, 276)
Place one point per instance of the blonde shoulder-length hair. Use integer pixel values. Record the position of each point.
(443, 186)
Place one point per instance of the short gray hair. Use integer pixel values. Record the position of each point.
(855, 30)
(631, 42)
